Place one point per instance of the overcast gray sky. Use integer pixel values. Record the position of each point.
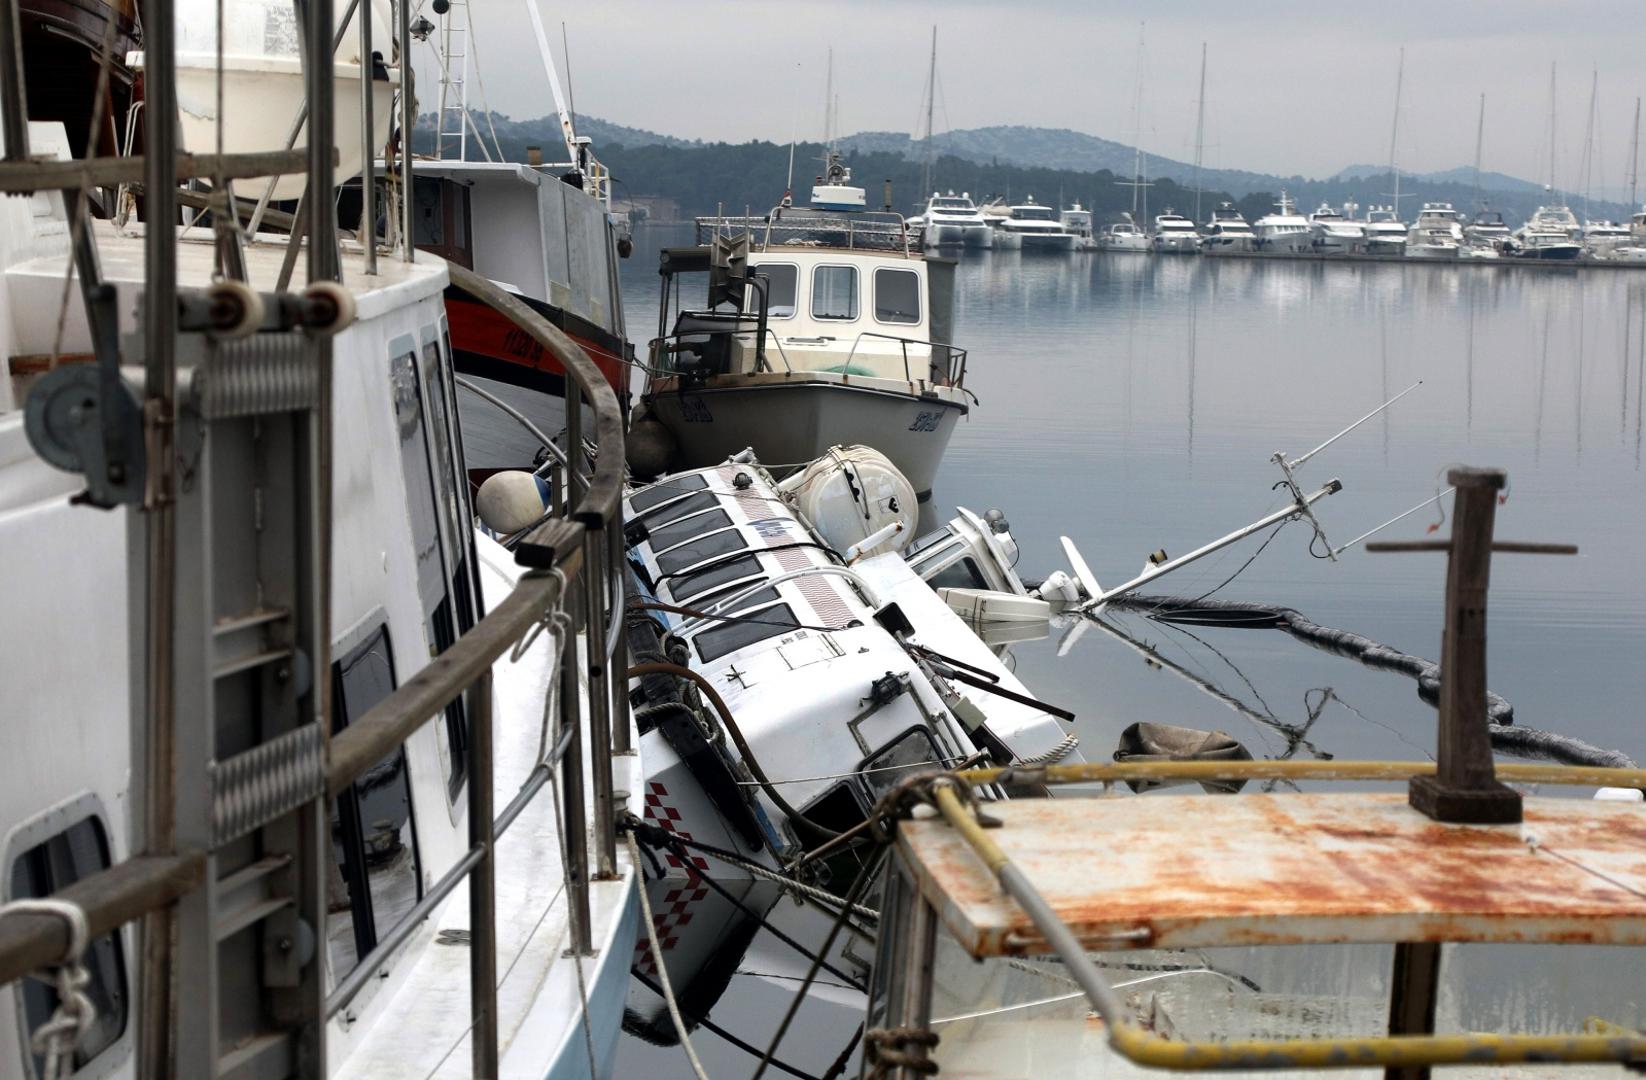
(1292, 86)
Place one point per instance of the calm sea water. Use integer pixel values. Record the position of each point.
(1132, 403)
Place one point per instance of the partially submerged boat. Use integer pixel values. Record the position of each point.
(817, 327)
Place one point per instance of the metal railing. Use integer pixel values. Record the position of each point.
(569, 561)
(947, 363)
(872, 230)
(953, 365)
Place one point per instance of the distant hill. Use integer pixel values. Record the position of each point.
(1002, 160)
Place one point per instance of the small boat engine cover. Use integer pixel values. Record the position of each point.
(852, 492)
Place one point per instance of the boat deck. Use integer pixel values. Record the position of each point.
(1193, 871)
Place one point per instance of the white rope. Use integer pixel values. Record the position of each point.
(1057, 753)
(662, 968)
(821, 896)
(56, 1039)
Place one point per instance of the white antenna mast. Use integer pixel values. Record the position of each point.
(566, 128)
(1200, 131)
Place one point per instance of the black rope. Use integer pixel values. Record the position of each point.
(1248, 562)
(653, 835)
(709, 1025)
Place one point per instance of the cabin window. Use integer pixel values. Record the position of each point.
(658, 494)
(374, 837)
(834, 292)
(738, 570)
(963, 574)
(701, 550)
(671, 512)
(896, 296)
(782, 285)
(55, 863)
(717, 641)
(669, 536)
(758, 598)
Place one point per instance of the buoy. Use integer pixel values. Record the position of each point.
(650, 448)
(512, 500)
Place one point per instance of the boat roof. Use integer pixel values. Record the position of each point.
(1189, 871)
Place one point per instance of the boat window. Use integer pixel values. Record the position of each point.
(658, 494)
(782, 285)
(887, 767)
(834, 292)
(687, 528)
(739, 569)
(374, 837)
(753, 600)
(55, 863)
(962, 575)
(896, 296)
(717, 641)
(417, 473)
(1034, 213)
(700, 550)
(691, 504)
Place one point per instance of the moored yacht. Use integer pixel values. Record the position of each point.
(1037, 227)
(954, 220)
(1488, 231)
(1175, 234)
(818, 327)
(1437, 233)
(1333, 233)
(1227, 232)
(1385, 233)
(1550, 233)
(1285, 231)
(1124, 236)
(1077, 220)
(1602, 239)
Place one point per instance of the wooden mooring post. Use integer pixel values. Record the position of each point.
(1464, 788)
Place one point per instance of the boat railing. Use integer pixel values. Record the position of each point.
(568, 561)
(868, 230)
(947, 362)
(662, 354)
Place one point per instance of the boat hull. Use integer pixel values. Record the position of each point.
(789, 419)
(1432, 251)
(1552, 252)
(1134, 244)
(1375, 246)
(1047, 241)
(1176, 245)
(1228, 245)
(1289, 243)
(944, 234)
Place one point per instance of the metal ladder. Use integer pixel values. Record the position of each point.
(454, 77)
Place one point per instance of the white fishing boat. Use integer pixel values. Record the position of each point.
(1077, 221)
(1333, 233)
(1284, 232)
(1227, 233)
(821, 326)
(299, 673)
(1175, 234)
(1125, 236)
(954, 220)
(1386, 234)
(1437, 233)
(1037, 228)
(1550, 233)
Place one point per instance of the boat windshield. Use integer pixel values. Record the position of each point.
(1033, 213)
(951, 204)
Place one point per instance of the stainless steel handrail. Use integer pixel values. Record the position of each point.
(655, 344)
(952, 351)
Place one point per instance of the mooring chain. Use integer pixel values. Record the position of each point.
(56, 1039)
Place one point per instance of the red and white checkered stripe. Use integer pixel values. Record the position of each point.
(674, 911)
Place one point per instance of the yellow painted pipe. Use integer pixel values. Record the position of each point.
(1094, 772)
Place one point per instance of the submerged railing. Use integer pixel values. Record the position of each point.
(572, 559)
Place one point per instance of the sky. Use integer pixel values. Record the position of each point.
(1292, 87)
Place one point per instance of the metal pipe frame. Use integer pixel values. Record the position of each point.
(572, 816)
(408, 106)
(1099, 772)
(13, 96)
(367, 232)
(482, 884)
(600, 720)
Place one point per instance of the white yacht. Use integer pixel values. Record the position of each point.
(1385, 233)
(1550, 233)
(1334, 233)
(1285, 231)
(1175, 234)
(1437, 233)
(1037, 228)
(1487, 232)
(1602, 239)
(1227, 233)
(1124, 236)
(1078, 221)
(1637, 226)
(954, 220)
(822, 327)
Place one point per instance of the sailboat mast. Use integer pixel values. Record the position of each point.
(1480, 141)
(828, 106)
(1394, 130)
(1588, 173)
(1634, 158)
(1552, 199)
(1200, 131)
(931, 95)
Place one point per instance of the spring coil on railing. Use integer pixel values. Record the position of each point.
(257, 375)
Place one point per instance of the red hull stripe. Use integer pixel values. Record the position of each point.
(484, 332)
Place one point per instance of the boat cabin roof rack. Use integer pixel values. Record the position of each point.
(803, 226)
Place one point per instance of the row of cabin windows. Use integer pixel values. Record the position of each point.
(834, 293)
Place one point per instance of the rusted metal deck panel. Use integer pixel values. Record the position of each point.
(1197, 871)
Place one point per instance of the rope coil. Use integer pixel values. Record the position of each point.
(56, 1039)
